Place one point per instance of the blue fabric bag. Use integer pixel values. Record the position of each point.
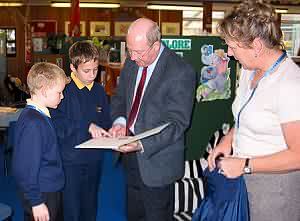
(225, 199)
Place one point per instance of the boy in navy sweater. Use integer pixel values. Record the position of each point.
(37, 165)
(83, 114)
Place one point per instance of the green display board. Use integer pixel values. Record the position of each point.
(208, 116)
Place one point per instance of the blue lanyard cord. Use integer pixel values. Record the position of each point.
(268, 72)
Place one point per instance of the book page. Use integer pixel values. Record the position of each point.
(116, 142)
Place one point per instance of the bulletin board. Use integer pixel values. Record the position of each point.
(208, 116)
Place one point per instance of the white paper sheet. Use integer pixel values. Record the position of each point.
(114, 143)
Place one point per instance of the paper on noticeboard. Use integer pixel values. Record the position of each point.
(115, 143)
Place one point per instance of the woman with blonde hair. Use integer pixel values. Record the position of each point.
(264, 144)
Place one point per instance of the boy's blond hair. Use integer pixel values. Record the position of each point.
(45, 74)
(82, 52)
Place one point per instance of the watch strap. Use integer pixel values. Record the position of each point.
(247, 162)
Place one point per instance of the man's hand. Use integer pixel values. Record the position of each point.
(117, 130)
(132, 147)
(96, 131)
(40, 212)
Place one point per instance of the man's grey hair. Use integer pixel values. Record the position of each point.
(153, 34)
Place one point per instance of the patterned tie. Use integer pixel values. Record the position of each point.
(137, 100)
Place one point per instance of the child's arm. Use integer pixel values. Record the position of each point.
(40, 212)
(96, 131)
(70, 128)
(74, 130)
(101, 131)
(27, 159)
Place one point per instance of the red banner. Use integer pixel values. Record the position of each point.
(75, 19)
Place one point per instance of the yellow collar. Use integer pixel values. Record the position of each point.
(79, 83)
(39, 107)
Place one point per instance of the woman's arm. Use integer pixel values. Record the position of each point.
(283, 161)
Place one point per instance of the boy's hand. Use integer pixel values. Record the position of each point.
(96, 131)
(117, 130)
(40, 212)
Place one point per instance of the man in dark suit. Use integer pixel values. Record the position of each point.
(156, 87)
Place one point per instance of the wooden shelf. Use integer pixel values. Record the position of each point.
(58, 59)
(111, 77)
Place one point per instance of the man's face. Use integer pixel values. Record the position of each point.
(141, 52)
(86, 72)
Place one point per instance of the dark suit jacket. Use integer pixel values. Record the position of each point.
(169, 97)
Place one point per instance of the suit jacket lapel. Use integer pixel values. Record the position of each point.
(131, 85)
(156, 75)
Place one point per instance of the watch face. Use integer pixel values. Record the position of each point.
(247, 170)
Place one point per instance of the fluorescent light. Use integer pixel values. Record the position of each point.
(174, 7)
(61, 4)
(85, 5)
(281, 11)
(99, 5)
(11, 4)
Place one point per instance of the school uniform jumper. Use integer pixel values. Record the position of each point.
(37, 165)
(80, 107)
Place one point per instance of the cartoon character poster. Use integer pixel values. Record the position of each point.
(215, 75)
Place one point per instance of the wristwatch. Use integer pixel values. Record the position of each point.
(247, 168)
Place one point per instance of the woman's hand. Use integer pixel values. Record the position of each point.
(221, 149)
(40, 212)
(231, 167)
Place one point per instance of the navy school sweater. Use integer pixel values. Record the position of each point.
(37, 165)
(78, 109)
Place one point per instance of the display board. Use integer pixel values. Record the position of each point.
(212, 109)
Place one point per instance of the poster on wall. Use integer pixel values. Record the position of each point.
(100, 28)
(170, 28)
(81, 28)
(121, 28)
(215, 80)
(40, 28)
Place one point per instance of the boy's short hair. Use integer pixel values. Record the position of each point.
(45, 74)
(82, 52)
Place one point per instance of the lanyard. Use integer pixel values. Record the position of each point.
(268, 72)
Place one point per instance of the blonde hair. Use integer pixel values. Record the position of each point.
(250, 20)
(45, 74)
(82, 52)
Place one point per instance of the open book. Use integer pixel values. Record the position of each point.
(115, 143)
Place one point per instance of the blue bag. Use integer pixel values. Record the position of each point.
(225, 199)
